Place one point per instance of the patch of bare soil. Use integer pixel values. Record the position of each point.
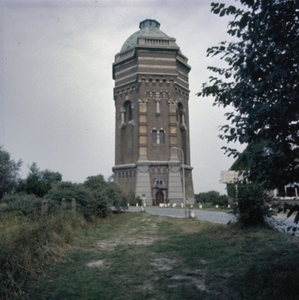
(97, 263)
(177, 278)
(169, 268)
(110, 244)
(186, 276)
(147, 287)
(163, 264)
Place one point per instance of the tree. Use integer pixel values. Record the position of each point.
(38, 182)
(261, 83)
(95, 183)
(9, 172)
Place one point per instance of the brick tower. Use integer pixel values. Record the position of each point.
(152, 140)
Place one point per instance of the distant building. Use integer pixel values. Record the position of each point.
(152, 142)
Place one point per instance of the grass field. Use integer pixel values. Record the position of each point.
(141, 256)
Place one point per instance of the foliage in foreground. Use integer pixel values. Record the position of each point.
(249, 207)
(26, 248)
(44, 241)
(261, 83)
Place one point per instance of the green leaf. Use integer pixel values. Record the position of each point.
(244, 21)
(231, 10)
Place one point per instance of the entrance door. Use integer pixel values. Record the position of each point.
(159, 197)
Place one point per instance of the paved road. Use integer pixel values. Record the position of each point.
(210, 216)
(279, 221)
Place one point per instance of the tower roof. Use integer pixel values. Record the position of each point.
(148, 28)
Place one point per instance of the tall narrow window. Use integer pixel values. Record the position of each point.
(158, 105)
(154, 136)
(128, 113)
(161, 137)
(158, 137)
(181, 116)
(159, 182)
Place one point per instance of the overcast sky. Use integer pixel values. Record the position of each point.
(56, 83)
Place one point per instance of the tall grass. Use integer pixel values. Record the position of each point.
(26, 247)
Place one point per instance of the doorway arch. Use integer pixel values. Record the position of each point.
(159, 197)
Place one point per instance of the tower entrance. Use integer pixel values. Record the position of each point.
(159, 198)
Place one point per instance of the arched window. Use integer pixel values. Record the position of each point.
(159, 182)
(158, 137)
(126, 114)
(154, 136)
(181, 116)
(128, 111)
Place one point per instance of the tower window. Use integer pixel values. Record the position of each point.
(128, 111)
(154, 136)
(158, 137)
(159, 182)
(161, 137)
(181, 116)
(126, 114)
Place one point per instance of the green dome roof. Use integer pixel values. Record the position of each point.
(148, 28)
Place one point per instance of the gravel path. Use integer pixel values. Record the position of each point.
(280, 221)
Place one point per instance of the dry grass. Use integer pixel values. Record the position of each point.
(27, 248)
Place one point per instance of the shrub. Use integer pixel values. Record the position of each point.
(26, 205)
(85, 200)
(221, 200)
(115, 196)
(212, 197)
(133, 200)
(106, 192)
(249, 207)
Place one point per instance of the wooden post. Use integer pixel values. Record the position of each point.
(74, 206)
(44, 212)
(63, 207)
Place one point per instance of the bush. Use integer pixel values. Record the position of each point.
(26, 205)
(115, 196)
(212, 197)
(249, 207)
(133, 200)
(221, 200)
(86, 203)
(94, 198)
(106, 192)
